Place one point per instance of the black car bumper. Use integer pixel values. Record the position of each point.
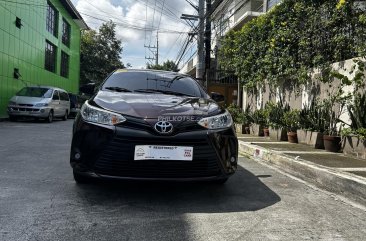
(108, 152)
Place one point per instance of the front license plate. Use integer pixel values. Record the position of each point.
(153, 152)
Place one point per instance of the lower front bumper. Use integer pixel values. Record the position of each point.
(108, 152)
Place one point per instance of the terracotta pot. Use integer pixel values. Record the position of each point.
(292, 137)
(332, 143)
(266, 132)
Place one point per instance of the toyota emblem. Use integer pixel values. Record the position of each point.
(163, 127)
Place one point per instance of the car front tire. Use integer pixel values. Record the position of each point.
(50, 117)
(65, 116)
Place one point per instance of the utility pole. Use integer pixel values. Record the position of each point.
(157, 49)
(207, 40)
(154, 50)
(200, 41)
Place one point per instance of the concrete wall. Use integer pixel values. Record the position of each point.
(301, 96)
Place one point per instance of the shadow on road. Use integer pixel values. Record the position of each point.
(243, 192)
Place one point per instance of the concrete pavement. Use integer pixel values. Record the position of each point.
(334, 172)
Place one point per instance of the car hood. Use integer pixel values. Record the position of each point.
(28, 100)
(155, 105)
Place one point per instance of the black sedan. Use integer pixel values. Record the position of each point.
(153, 125)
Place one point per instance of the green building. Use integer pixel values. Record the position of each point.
(39, 45)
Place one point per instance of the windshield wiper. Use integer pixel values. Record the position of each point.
(118, 89)
(169, 92)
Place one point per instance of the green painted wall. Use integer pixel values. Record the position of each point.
(24, 48)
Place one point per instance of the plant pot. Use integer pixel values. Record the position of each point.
(315, 139)
(292, 137)
(256, 130)
(266, 132)
(352, 145)
(279, 134)
(247, 130)
(301, 135)
(239, 128)
(332, 143)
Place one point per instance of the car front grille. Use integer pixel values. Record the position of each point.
(118, 160)
(27, 105)
(23, 109)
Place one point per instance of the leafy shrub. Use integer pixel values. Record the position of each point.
(275, 113)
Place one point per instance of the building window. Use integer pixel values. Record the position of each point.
(50, 57)
(66, 29)
(64, 64)
(52, 19)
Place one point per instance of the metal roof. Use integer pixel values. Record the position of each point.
(74, 14)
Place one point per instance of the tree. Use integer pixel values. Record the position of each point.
(100, 53)
(168, 65)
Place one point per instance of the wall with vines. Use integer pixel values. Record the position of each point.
(294, 38)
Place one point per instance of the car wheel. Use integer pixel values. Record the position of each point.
(50, 117)
(13, 118)
(65, 116)
(80, 178)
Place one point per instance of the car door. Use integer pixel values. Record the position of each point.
(56, 103)
(65, 102)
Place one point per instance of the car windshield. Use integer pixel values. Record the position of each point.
(152, 82)
(35, 92)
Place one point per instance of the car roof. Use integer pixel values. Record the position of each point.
(151, 71)
(45, 86)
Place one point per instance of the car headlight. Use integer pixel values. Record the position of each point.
(216, 122)
(97, 115)
(12, 103)
(41, 104)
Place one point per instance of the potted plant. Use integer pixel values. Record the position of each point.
(238, 116)
(312, 120)
(275, 112)
(259, 121)
(353, 138)
(247, 120)
(291, 121)
(331, 110)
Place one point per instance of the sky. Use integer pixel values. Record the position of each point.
(137, 21)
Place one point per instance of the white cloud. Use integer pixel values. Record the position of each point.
(130, 15)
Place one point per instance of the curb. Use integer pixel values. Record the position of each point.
(341, 183)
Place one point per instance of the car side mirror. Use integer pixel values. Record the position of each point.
(87, 89)
(217, 97)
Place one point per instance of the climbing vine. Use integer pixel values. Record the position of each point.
(293, 38)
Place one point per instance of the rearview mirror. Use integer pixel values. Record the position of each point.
(217, 97)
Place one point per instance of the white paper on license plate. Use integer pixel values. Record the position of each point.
(154, 152)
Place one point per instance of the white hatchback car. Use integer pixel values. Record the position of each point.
(39, 102)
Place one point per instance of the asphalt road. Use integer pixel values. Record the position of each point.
(39, 200)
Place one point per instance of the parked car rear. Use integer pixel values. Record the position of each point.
(40, 102)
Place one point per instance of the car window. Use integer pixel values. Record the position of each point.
(163, 81)
(55, 95)
(35, 92)
(64, 96)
